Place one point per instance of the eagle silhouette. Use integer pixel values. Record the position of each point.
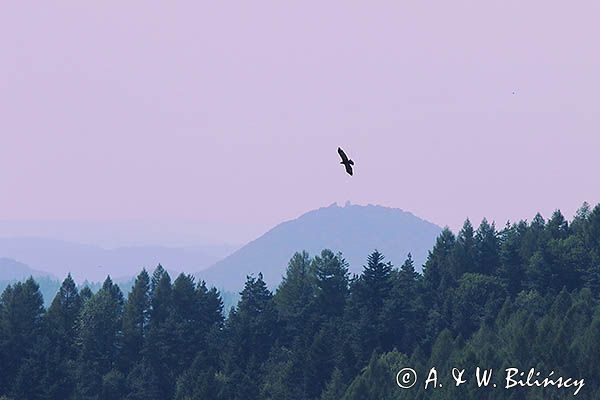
(348, 163)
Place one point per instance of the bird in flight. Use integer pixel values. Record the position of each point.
(348, 163)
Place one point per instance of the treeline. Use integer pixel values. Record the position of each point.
(524, 296)
(49, 286)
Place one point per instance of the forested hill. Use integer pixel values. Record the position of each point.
(13, 270)
(524, 296)
(353, 230)
(94, 263)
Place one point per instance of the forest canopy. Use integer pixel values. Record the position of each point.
(525, 295)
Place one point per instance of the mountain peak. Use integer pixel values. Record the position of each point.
(354, 230)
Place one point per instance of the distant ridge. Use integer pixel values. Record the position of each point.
(11, 270)
(94, 263)
(353, 229)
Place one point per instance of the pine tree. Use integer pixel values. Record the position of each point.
(251, 331)
(60, 349)
(295, 296)
(142, 382)
(377, 280)
(408, 275)
(512, 270)
(160, 345)
(85, 294)
(320, 360)
(377, 380)
(284, 376)
(557, 227)
(21, 323)
(63, 313)
(332, 283)
(297, 285)
(436, 271)
(113, 385)
(211, 305)
(187, 323)
(368, 322)
(199, 381)
(98, 338)
(487, 248)
(465, 252)
(477, 298)
(534, 238)
(403, 309)
(335, 387)
(136, 316)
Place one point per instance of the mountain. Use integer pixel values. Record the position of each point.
(94, 263)
(354, 230)
(14, 270)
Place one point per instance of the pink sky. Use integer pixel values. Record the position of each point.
(231, 112)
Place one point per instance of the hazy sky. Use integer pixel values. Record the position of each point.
(229, 113)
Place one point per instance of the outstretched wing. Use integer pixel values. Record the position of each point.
(348, 168)
(343, 155)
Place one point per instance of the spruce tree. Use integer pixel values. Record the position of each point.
(99, 339)
(251, 332)
(160, 345)
(487, 249)
(295, 297)
(465, 252)
(512, 270)
(60, 350)
(136, 317)
(21, 324)
(376, 277)
(332, 281)
(436, 271)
